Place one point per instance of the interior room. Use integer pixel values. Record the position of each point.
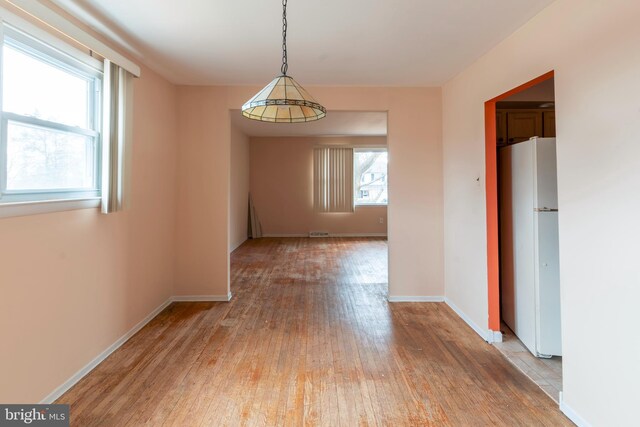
(221, 213)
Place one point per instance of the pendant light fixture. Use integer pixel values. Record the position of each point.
(283, 100)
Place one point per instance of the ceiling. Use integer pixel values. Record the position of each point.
(336, 123)
(330, 42)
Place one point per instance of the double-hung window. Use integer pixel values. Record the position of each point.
(370, 176)
(50, 122)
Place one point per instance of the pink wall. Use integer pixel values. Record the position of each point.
(239, 189)
(74, 282)
(204, 180)
(592, 46)
(282, 189)
(415, 212)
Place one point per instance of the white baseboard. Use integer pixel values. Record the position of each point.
(358, 235)
(59, 391)
(237, 245)
(102, 356)
(395, 298)
(284, 235)
(486, 334)
(571, 414)
(495, 336)
(199, 298)
(329, 236)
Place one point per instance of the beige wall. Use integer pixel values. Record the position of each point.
(204, 158)
(73, 282)
(282, 189)
(415, 185)
(239, 193)
(592, 46)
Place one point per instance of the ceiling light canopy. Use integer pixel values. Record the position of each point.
(283, 100)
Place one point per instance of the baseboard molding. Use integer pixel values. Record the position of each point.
(358, 235)
(202, 298)
(495, 336)
(59, 391)
(237, 245)
(486, 334)
(284, 235)
(102, 356)
(571, 414)
(329, 236)
(414, 299)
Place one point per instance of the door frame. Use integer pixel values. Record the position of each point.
(491, 183)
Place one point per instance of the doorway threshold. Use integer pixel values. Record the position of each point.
(546, 373)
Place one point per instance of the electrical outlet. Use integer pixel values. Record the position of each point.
(381, 220)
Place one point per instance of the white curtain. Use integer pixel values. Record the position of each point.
(333, 179)
(116, 148)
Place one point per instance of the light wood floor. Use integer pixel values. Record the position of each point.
(308, 339)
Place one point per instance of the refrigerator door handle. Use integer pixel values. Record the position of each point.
(544, 210)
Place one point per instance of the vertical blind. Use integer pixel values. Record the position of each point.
(333, 179)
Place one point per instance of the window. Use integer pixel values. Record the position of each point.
(50, 120)
(370, 176)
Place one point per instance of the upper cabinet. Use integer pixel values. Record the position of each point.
(501, 127)
(549, 124)
(513, 126)
(523, 125)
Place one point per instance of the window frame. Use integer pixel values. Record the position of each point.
(68, 60)
(368, 149)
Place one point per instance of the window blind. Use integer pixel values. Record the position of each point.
(333, 179)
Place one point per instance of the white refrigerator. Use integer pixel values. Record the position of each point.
(529, 261)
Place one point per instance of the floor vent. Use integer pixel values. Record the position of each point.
(318, 234)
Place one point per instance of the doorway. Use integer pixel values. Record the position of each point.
(523, 281)
(315, 188)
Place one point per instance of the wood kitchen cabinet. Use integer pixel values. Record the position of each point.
(523, 125)
(501, 127)
(549, 124)
(514, 126)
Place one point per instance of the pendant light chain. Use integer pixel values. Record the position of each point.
(285, 65)
(283, 100)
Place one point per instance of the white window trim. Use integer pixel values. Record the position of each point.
(51, 200)
(8, 210)
(362, 149)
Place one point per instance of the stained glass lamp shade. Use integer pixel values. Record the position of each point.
(283, 101)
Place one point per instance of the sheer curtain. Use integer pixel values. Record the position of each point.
(333, 179)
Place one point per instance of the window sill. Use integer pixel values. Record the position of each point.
(46, 206)
(373, 205)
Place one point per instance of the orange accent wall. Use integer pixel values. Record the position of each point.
(491, 164)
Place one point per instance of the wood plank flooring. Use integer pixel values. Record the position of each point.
(308, 339)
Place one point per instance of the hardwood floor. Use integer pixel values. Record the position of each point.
(308, 339)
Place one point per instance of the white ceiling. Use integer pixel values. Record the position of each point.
(336, 123)
(330, 42)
